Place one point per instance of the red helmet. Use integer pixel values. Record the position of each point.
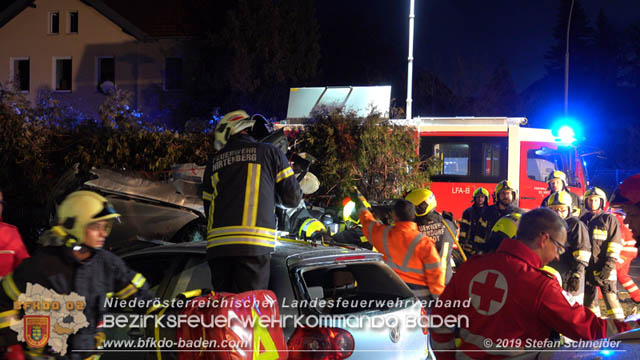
(627, 193)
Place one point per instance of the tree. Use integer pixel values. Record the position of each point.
(499, 96)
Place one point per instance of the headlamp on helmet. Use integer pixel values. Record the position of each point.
(424, 201)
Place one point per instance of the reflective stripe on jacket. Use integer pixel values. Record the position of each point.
(408, 252)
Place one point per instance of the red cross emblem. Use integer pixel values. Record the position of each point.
(488, 291)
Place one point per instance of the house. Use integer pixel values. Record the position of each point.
(76, 50)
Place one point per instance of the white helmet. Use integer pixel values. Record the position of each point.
(231, 124)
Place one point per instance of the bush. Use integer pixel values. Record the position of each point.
(379, 158)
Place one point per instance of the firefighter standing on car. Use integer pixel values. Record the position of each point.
(606, 245)
(242, 182)
(557, 181)
(574, 261)
(411, 254)
(512, 299)
(504, 197)
(71, 259)
(471, 218)
(431, 223)
(627, 198)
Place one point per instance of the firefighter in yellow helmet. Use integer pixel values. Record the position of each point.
(505, 228)
(241, 184)
(351, 231)
(471, 218)
(606, 245)
(440, 227)
(557, 181)
(71, 259)
(505, 196)
(574, 261)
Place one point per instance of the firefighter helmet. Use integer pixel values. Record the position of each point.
(505, 185)
(560, 198)
(423, 199)
(557, 174)
(80, 209)
(231, 124)
(310, 228)
(627, 193)
(507, 225)
(480, 191)
(595, 191)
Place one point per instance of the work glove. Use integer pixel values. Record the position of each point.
(359, 199)
(606, 271)
(573, 283)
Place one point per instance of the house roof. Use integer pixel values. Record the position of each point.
(143, 19)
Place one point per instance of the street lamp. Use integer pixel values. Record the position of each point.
(410, 69)
(566, 64)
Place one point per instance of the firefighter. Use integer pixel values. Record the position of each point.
(12, 249)
(411, 254)
(574, 261)
(606, 245)
(513, 301)
(557, 181)
(627, 198)
(470, 218)
(71, 259)
(241, 184)
(504, 198)
(439, 227)
(505, 228)
(350, 231)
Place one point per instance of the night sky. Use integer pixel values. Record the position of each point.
(482, 32)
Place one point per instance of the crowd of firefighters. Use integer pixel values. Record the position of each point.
(550, 261)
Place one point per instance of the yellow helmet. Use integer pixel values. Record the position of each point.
(80, 209)
(560, 198)
(480, 191)
(419, 197)
(311, 227)
(595, 191)
(507, 225)
(557, 174)
(505, 185)
(231, 124)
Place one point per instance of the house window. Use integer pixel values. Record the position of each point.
(62, 73)
(106, 71)
(73, 22)
(173, 73)
(20, 73)
(54, 22)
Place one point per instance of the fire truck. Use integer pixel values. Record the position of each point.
(481, 151)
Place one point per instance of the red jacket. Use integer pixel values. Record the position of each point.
(511, 298)
(412, 255)
(12, 249)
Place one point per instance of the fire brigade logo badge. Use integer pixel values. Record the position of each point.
(36, 330)
(488, 292)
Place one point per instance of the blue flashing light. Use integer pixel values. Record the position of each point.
(566, 134)
(567, 130)
(606, 352)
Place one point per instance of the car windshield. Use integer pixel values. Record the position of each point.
(352, 288)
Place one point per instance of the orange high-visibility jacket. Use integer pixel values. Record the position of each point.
(412, 255)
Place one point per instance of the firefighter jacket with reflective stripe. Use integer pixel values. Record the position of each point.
(606, 242)
(490, 217)
(578, 250)
(407, 251)
(511, 298)
(577, 207)
(470, 223)
(438, 228)
(241, 185)
(54, 267)
(12, 249)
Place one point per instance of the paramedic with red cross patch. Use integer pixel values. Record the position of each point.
(511, 298)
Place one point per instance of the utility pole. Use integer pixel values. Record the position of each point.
(566, 64)
(410, 69)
